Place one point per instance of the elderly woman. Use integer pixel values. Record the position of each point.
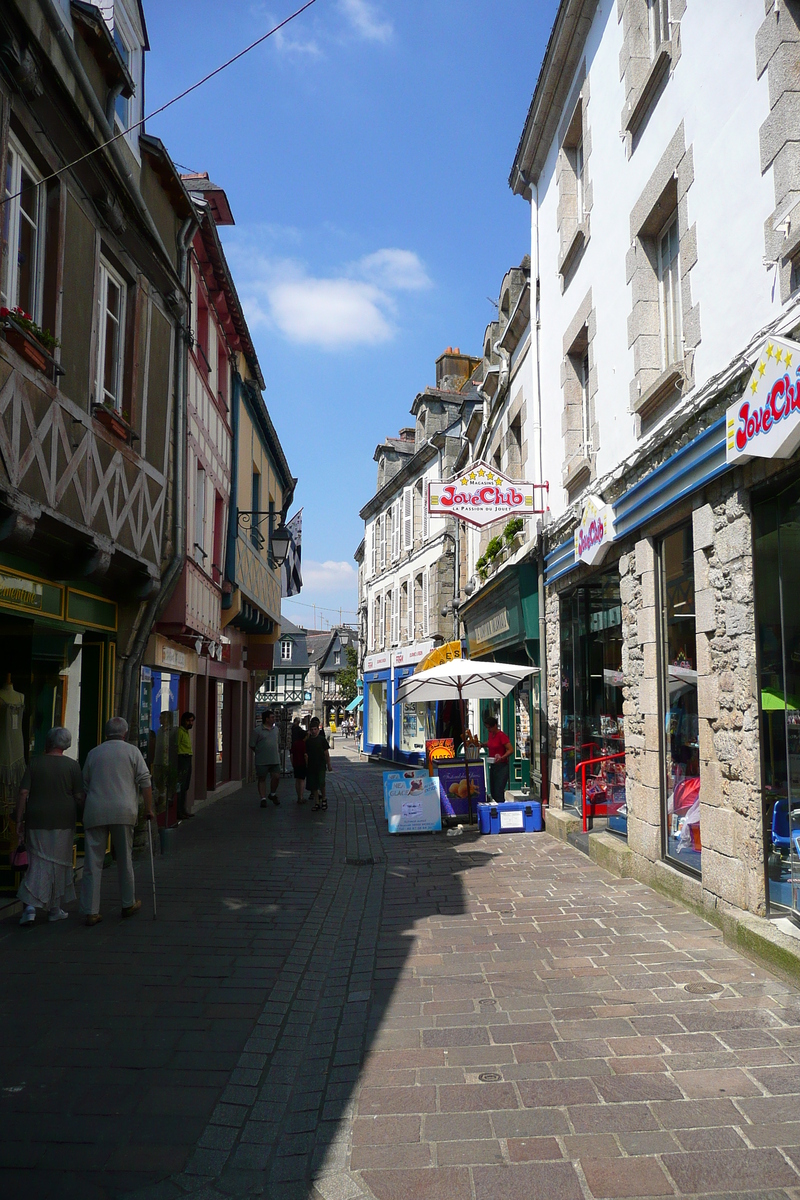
(49, 796)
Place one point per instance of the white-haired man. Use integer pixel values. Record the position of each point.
(114, 774)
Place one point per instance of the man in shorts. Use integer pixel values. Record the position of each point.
(264, 744)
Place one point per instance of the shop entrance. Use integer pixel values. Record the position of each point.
(777, 583)
(592, 731)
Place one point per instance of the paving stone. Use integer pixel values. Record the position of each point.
(527, 1181)
(445, 1183)
(730, 1170)
(612, 1177)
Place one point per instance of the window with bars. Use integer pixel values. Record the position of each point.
(23, 218)
(657, 24)
(111, 333)
(669, 294)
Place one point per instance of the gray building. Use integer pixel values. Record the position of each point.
(327, 656)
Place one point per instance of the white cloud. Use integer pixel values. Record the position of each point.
(327, 577)
(366, 21)
(331, 313)
(287, 45)
(355, 307)
(401, 270)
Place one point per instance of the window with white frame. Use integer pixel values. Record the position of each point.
(22, 263)
(383, 517)
(395, 510)
(110, 340)
(395, 615)
(376, 622)
(387, 619)
(586, 405)
(426, 603)
(337, 658)
(426, 520)
(286, 650)
(128, 109)
(669, 297)
(579, 181)
(658, 24)
(373, 538)
(408, 518)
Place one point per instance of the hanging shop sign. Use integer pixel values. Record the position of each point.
(480, 496)
(765, 421)
(595, 533)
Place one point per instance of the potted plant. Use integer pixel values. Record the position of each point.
(36, 345)
(512, 531)
(115, 422)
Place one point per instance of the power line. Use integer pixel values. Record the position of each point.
(76, 162)
(319, 607)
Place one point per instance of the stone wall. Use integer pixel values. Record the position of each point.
(731, 823)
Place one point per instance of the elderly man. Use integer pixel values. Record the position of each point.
(114, 774)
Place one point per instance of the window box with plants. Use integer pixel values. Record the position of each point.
(29, 340)
(115, 421)
(499, 548)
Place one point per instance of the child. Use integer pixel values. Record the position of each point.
(318, 758)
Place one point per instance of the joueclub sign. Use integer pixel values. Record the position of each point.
(480, 496)
(595, 533)
(765, 421)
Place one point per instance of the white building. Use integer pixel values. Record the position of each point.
(408, 578)
(660, 160)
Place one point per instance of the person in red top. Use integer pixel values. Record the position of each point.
(499, 748)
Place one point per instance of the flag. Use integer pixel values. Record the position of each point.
(292, 578)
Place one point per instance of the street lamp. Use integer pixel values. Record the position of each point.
(279, 544)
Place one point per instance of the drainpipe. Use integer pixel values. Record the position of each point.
(104, 127)
(158, 602)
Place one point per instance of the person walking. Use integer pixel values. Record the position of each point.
(318, 758)
(499, 748)
(185, 755)
(264, 744)
(299, 759)
(114, 774)
(50, 794)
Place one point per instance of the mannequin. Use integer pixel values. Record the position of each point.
(12, 744)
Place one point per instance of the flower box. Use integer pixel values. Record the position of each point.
(112, 421)
(25, 346)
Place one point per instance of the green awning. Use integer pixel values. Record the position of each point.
(354, 704)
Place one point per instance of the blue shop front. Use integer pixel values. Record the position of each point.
(395, 731)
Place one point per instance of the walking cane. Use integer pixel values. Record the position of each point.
(152, 868)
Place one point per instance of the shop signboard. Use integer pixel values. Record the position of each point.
(439, 748)
(765, 421)
(595, 533)
(481, 496)
(412, 654)
(412, 802)
(453, 787)
(392, 777)
(377, 662)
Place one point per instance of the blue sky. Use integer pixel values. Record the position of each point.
(365, 152)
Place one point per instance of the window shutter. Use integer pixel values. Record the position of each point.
(395, 530)
(395, 616)
(410, 609)
(425, 604)
(426, 522)
(408, 519)
(373, 532)
(383, 541)
(382, 623)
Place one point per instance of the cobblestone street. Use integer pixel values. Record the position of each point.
(321, 1011)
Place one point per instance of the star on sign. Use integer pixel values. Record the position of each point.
(770, 350)
(762, 367)
(754, 386)
(481, 472)
(779, 355)
(472, 477)
(787, 359)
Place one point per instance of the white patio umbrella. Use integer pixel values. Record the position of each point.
(463, 679)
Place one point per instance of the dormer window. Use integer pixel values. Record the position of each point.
(286, 650)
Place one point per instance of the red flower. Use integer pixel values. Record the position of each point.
(3, 312)
(27, 316)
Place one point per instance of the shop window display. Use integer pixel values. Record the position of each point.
(592, 729)
(682, 838)
(376, 714)
(777, 580)
(412, 728)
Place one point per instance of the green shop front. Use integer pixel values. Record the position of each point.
(57, 664)
(502, 625)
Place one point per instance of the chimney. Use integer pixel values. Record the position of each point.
(407, 435)
(453, 369)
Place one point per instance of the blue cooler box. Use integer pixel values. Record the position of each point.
(515, 816)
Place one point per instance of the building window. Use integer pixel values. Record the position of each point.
(216, 548)
(681, 790)
(111, 337)
(256, 536)
(669, 298)
(383, 519)
(408, 518)
(376, 623)
(426, 604)
(200, 516)
(580, 408)
(586, 414)
(396, 511)
(574, 197)
(337, 658)
(23, 235)
(657, 24)
(286, 650)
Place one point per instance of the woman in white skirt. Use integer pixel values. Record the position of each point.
(49, 797)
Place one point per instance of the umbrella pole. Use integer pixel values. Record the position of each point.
(464, 741)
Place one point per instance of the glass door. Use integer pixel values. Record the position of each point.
(777, 576)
